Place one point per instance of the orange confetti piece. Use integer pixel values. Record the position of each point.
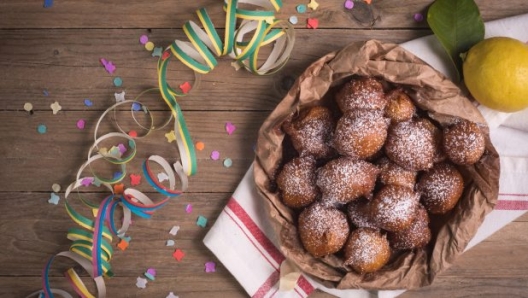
(185, 87)
(119, 188)
(368, 1)
(199, 146)
(133, 133)
(123, 244)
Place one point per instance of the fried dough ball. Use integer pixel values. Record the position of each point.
(439, 154)
(417, 235)
(323, 230)
(393, 174)
(394, 207)
(310, 131)
(296, 182)
(361, 93)
(441, 188)
(345, 179)
(366, 250)
(464, 143)
(359, 214)
(410, 145)
(360, 134)
(399, 106)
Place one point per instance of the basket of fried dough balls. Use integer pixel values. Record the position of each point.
(368, 183)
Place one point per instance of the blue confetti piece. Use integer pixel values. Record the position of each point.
(131, 144)
(88, 102)
(149, 276)
(301, 8)
(45, 92)
(117, 175)
(136, 106)
(54, 199)
(42, 129)
(97, 182)
(48, 3)
(157, 52)
(201, 221)
(118, 82)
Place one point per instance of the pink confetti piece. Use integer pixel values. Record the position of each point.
(108, 65)
(188, 208)
(349, 4)
(215, 155)
(87, 181)
(418, 17)
(135, 179)
(143, 39)
(151, 271)
(210, 267)
(312, 23)
(230, 128)
(185, 87)
(80, 124)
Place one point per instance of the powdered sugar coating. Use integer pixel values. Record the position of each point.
(416, 236)
(296, 182)
(359, 214)
(464, 143)
(393, 174)
(323, 230)
(344, 179)
(361, 93)
(399, 106)
(411, 145)
(394, 207)
(311, 131)
(366, 250)
(441, 188)
(361, 133)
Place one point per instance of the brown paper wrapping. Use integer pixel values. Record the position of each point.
(432, 92)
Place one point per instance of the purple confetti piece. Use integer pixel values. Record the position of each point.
(121, 148)
(151, 271)
(215, 155)
(210, 267)
(418, 17)
(349, 4)
(88, 102)
(80, 124)
(230, 128)
(136, 106)
(143, 39)
(188, 208)
(87, 181)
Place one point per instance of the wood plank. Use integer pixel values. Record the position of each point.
(167, 14)
(66, 64)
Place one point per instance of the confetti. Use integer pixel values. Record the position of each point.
(54, 199)
(313, 5)
(312, 23)
(170, 243)
(143, 39)
(121, 148)
(42, 129)
(133, 134)
(230, 128)
(418, 17)
(228, 162)
(48, 3)
(80, 123)
(28, 107)
(188, 208)
(56, 187)
(123, 244)
(149, 46)
(201, 221)
(210, 267)
(97, 182)
(45, 92)
(151, 273)
(108, 65)
(165, 55)
(349, 4)
(157, 52)
(171, 295)
(174, 230)
(368, 1)
(120, 96)
(199, 146)
(87, 181)
(171, 137)
(185, 87)
(127, 238)
(136, 106)
(117, 175)
(301, 8)
(178, 254)
(118, 81)
(236, 65)
(88, 102)
(293, 20)
(135, 179)
(215, 155)
(162, 177)
(119, 188)
(56, 107)
(141, 282)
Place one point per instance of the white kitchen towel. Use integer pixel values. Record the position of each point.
(245, 243)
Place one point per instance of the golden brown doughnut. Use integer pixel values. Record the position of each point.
(323, 230)
(393, 174)
(296, 182)
(464, 143)
(344, 179)
(359, 214)
(411, 145)
(360, 134)
(366, 250)
(399, 106)
(393, 207)
(439, 154)
(311, 131)
(441, 188)
(416, 236)
(361, 93)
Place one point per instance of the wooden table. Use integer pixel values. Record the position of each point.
(52, 54)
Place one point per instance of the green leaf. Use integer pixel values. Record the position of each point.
(457, 25)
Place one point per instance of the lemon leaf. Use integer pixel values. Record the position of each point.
(458, 26)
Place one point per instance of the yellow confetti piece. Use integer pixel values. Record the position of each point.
(171, 136)
(149, 46)
(28, 107)
(56, 187)
(56, 107)
(313, 4)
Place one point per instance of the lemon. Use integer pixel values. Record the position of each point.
(496, 73)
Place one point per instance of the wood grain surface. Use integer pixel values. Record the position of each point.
(57, 50)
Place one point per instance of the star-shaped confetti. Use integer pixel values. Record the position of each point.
(162, 177)
(123, 244)
(56, 107)
(171, 137)
(174, 230)
(87, 181)
(157, 52)
(54, 199)
(119, 97)
(141, 282)
(210, 267)
(201, 221)
(313, 4)
(185, 87)
(230, 128)
(108, 65)
(178, 254)
(171, 295)
(135, 179)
